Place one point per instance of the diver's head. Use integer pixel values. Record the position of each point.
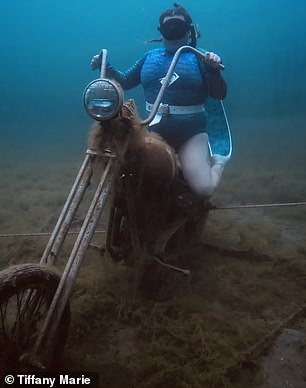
(176, 27)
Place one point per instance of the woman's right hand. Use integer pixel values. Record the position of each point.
(96, 62)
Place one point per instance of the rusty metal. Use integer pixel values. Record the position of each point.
(75, 260)
(70, 207)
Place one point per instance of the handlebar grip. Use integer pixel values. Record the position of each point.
(202, 55)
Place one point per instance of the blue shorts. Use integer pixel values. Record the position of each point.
(177, 129)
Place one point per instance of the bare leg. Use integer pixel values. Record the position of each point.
(196, 161)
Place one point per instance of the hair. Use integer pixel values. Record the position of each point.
(178, 10)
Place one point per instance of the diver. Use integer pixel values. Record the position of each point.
(181, 118)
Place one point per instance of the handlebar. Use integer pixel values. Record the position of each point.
(166, 79)
(103, 63)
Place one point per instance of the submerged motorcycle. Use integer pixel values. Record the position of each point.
(152, 212)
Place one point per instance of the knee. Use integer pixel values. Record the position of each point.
(203, 189)
(203, 186)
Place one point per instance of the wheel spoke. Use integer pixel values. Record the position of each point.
(35, 314)
(21, 314)
(2, 316)
(17, 327)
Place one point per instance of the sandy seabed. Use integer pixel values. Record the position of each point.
(249, 273)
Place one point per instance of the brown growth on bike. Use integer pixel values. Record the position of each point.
(145, 153)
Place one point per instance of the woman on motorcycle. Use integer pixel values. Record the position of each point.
(181, 118)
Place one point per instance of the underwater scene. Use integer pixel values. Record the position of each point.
(227, 311)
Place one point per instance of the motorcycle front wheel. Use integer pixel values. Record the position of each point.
(26, 292)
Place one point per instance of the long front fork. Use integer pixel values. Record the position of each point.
(79, 249)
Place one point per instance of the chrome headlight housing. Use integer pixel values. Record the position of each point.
(103, 99)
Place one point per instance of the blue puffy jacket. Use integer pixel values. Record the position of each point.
(193, 84)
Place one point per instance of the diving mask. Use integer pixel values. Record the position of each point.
(174, 29)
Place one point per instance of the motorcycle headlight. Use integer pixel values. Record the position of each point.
(102, 99)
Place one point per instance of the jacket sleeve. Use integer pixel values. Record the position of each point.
(127, 79)
(217, 87)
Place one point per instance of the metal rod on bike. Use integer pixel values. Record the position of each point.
(167, 79)
(77, 255)
(70, 207)
(103, 63)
